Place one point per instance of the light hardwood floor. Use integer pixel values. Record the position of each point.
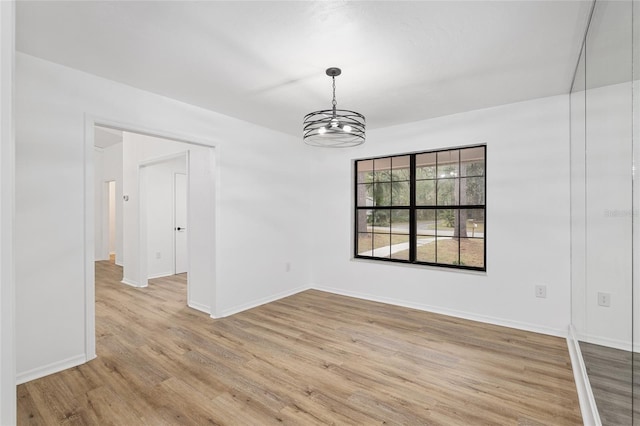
(615, 382)
(312, 358)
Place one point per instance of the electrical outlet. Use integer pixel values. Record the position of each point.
(604, 299)
(287, 267)
(158, 255)
(541, 291)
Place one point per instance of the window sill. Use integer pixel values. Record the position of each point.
(423, 266)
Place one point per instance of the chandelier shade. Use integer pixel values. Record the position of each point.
(334, 128)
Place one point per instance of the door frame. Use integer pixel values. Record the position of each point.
(90, 121)
(105, 226)
(7, 213)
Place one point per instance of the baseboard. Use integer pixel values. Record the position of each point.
(52, 368)
(131, 283)
(605, 341)
(588, 408)
(164, 274)
(450, 312)
(261, 301)
(199, 307)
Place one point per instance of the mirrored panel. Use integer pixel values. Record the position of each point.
(602, 210)
(636, 212)
(578, 199)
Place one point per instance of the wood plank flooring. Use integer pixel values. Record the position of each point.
(312, 358)
(612, 376)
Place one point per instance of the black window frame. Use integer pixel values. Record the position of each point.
(413, 207)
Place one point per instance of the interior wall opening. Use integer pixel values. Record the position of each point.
(150, 192)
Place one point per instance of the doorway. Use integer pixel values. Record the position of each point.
(139, 147)
(149, 234)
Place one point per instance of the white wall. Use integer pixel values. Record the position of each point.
(139, 150)
(160, 211)
(603, 215)
(121, 163)
(112, 171)
(107, 167)
(111, 245)
(261, 188)
(578, 205)
(7, 347)
(202, 212)
(99, 201)
(608, 228)
(609, 262)
(527, 219)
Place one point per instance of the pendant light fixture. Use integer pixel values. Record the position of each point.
(333, 128)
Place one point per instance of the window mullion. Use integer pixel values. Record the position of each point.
(459, 225)
(356, 211)
(412, 209)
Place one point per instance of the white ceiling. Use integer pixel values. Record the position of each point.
(105, 137)
(264, 61)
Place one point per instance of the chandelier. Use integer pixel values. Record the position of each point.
(333, 128)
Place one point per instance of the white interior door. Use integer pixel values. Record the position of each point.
(180, 222)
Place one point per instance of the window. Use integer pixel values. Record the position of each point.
(424, 208)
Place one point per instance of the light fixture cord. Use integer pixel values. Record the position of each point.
(334, 103)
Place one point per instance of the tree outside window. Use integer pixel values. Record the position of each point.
(425, 208)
